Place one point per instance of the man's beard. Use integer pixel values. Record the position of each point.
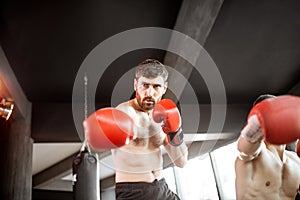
(146, 103)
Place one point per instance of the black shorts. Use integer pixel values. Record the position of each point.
(157, 190)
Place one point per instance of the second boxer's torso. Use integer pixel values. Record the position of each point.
(269, 176)
(141, 159)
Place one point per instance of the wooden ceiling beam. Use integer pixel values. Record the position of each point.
(195, 19)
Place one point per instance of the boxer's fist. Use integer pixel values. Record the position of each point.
(108, 128)
(252, 131)
(166, 111)
(279, 119)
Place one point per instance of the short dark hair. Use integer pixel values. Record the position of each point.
(263, 97)
(151, 68)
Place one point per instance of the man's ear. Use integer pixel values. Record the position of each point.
(135, 84)
(165, 87)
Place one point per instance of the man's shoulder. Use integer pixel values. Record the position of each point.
(125, 107)
(125, 104)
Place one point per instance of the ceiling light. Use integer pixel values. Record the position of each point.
(6, 108)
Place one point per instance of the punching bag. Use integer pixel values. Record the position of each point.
(86, 176)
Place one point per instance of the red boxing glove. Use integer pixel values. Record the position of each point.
(166, 111)
(279, 119)
(108, 128)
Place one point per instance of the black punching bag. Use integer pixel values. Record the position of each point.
(86, 176)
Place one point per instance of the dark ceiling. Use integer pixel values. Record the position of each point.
(255, 45)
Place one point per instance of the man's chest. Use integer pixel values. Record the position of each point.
(272, 175)
(149, 133)
(290, 177)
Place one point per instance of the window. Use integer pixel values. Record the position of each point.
(170, 178)
(211, 176)
(196, 180)
(223, 161)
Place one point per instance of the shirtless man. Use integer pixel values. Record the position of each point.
(151, 123)
(264, 169)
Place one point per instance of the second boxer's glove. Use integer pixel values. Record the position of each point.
(278, 118)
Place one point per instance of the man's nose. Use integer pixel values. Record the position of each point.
(150, 91)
